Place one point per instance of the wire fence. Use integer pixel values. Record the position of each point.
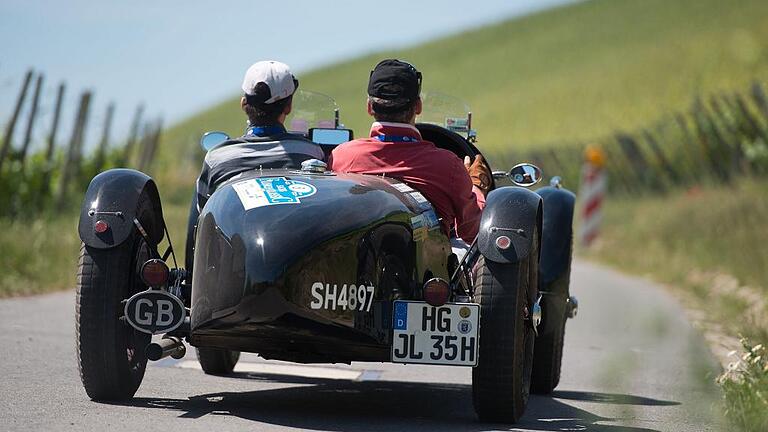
(54, 176)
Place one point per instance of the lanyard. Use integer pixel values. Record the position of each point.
(396, 138)
(262, 131)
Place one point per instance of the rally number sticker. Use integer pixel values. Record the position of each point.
(345, 297)
(269, 191)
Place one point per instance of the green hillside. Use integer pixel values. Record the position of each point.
(573, 73)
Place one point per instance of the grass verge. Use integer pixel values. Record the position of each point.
(40, 255)
(709, 244)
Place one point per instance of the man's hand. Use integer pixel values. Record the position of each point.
(478, 172)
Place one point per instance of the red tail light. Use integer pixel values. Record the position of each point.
(100, 226)
(155, 273)
(503, 242)
(437, 292)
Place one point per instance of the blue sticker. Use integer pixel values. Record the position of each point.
(417, 222)
(269, 191)
(400, 320)
(431, 219)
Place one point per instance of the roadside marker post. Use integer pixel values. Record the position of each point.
(591, 194)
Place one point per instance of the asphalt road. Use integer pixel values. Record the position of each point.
(632, 363)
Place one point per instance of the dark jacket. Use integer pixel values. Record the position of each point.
(230, 158)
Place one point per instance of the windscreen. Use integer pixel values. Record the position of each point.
(311, 110)
(444, 110)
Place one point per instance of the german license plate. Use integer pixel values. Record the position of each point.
(442, 335)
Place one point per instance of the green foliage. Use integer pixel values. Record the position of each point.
(745, 386)
(33, 188)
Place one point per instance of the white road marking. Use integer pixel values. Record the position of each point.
(292, 370)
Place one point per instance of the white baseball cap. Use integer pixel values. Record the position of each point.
(277, 76)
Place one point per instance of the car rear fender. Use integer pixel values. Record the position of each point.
(557, 233)
(114, 197)
(509, 211)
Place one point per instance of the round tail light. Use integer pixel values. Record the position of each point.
(437, 292)
(155, 273)
(503, 242)
(100, 227)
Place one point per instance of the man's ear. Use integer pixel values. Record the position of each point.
(243, 103)
(369, 106)
(418, 107)
(288, 108)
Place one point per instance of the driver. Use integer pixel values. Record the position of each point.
(395, 148)
(268, 89)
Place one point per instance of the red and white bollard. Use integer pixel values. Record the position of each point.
(591, 195)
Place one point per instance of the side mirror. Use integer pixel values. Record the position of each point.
(212, 139)
(525, 174)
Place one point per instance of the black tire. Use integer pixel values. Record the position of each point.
(501, 381)
(548, 352)
(110, 353)
(217, 361)
(547, 359)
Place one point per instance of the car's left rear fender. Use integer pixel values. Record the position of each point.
(113, 197)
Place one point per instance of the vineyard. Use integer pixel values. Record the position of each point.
(53, 178)
(721, 137)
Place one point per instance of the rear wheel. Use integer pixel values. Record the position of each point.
(501, 381)
(217, 361)
(548, 352)
(110, 353)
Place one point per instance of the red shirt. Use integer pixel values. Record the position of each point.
(397, 150)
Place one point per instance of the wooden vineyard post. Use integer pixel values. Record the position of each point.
(71, 167)
(133, 136)
(14, 117)
(31, 121)
(101, 152)
(45, 186)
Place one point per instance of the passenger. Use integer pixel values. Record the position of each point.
(395, 148)
(268, 89)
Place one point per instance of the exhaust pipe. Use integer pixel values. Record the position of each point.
(167, 346)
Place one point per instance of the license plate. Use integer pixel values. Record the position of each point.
(442, 335)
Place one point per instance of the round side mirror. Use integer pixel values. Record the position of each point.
(525, 174)
(212, 139)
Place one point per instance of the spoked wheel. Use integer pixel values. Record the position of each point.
(110, 353)
(217, 361)
(501, 381)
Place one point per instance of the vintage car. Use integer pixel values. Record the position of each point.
(312, 266)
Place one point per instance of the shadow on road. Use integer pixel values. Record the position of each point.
(338, 405)
(611, 398)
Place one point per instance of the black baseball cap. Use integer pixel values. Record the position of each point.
(396, 81)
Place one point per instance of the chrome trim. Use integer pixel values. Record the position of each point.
(573, 307)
